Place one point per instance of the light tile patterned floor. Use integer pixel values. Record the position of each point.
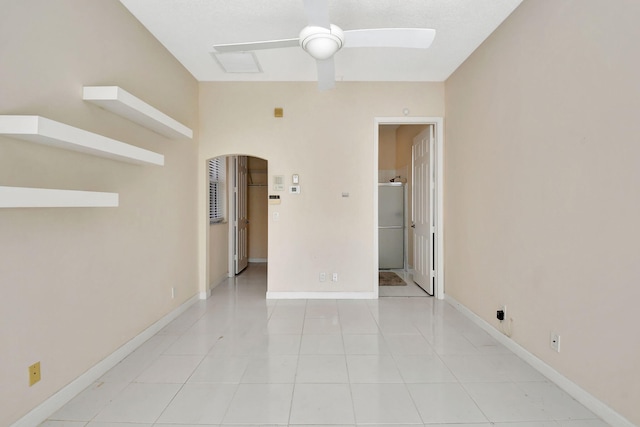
(409, 290)
(238, 359)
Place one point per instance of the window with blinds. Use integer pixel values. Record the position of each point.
(216, 189)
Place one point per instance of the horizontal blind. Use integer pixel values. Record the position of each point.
(216, 189)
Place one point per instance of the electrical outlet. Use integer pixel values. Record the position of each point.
(173, 293)
(34, 373)
(323, 277)
(554, 341)
(334, 277)
(501, 314)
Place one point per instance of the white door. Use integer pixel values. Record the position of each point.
(241, 253)
(422, 212)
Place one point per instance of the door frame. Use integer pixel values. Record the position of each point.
(438, 123)
(231, 210)
(234, 220)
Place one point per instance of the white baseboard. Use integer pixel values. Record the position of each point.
(43, 411)
(207, 294)
(321, 295)
(591, 402)
(258, 260)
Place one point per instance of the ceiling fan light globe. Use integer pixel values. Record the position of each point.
(321, 43)
(322, 48)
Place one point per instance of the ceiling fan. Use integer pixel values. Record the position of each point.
(322, 40)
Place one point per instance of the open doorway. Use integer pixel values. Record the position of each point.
(248, 213)
(238, 237)
(397, 254)
(409, 158)
(257, 210)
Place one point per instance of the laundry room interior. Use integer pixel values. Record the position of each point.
(395, 181)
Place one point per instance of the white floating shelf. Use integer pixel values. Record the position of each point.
(20, 197)
(48, 132)
(122, 103)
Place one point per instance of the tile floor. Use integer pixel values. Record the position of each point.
(410, 290)
(237, 359)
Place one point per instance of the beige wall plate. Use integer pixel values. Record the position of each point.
(34, 373)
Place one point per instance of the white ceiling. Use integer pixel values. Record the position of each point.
(189, 29)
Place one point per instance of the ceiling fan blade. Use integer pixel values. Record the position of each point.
(317, 12)
(417, 38)
(326, 74)
(244, 47)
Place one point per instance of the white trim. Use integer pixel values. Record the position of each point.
(231, 163)
(439, 146)
(258, 260)
(376, 244)
(41, 412)
(438, 122)
(21, 197)
(592, 403)
(49, 132)
(321, 295)
(214, 284)
(122, 103)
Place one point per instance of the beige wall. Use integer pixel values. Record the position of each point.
(404, 142)
(218, 253)
(328, 139)
(541, 188)
(77, 283)
(387, 148)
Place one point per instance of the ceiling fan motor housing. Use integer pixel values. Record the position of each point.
(320, 42)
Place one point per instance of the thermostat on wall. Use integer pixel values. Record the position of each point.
(294, 189)
(274, 199)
